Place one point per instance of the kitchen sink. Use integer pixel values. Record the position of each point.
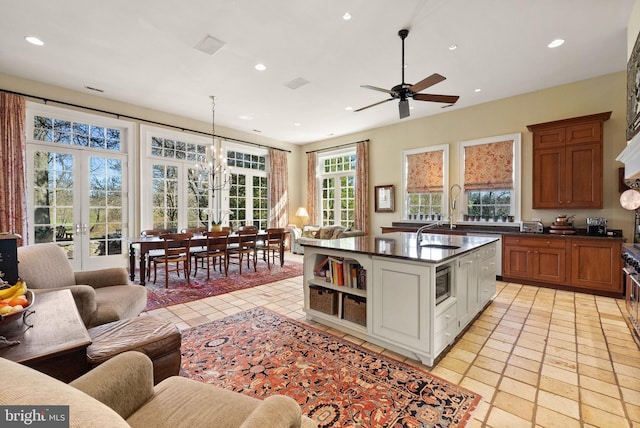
(439, 246)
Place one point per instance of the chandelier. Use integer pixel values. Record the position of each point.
(214, 164)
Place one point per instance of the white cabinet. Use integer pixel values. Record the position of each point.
(475, 283)
(466, 288)
(402, 300)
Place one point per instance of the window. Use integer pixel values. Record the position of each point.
(178, 196)
(337, 176)
(77, 177)
(248, 201)
(425, 172)
(490, 171)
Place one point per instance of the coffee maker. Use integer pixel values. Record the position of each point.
(596, 226)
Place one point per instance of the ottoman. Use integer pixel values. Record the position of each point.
(158, 339)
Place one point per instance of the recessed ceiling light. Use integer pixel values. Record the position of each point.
(555, 43)
(453, 47)
(477, 90)
(346, 16)
(260, 67)
(245, 117)
(34, 40)
(348, 108)
(297, 124)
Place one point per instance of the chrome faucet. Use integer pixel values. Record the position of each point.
(423, 228)
(453, 201)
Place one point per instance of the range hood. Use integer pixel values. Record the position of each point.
(630, 156)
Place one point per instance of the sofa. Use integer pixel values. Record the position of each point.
(101, 296)
(120, 393)
(310, 232)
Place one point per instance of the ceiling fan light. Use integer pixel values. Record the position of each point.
(404, 108)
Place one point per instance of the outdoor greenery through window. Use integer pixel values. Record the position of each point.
(425, 206)
(489, 205)
(337, 197)
(249, 190)
(75, 133)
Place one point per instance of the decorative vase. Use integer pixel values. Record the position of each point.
(216, 227)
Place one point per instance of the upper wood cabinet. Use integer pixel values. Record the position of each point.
(567, 162)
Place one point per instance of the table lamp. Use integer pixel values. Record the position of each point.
(302, 212)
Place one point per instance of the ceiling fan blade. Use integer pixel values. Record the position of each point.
(375, 88)
(425, 83)
(373, 105)
(449, 99)
(403, 107)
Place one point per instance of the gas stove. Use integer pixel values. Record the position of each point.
(631, 271)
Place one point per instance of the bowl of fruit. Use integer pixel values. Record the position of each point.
(14, 301)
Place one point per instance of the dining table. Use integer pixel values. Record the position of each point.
(141, 245)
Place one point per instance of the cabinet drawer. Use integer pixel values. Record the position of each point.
(444, 338)
(445, 318)
(487, 251)
(530, 241)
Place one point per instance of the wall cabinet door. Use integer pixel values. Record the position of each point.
(583, 176)
(596, 264)
(567, 162)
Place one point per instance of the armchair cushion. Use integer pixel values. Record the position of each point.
(101, 296)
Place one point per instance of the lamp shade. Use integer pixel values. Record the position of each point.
(302, 212)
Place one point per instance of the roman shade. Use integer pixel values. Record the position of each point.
(425, 172)
(488, 166)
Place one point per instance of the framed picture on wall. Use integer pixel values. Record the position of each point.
(385, 199)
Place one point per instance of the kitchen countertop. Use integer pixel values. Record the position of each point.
(402, 245)
(505, 229)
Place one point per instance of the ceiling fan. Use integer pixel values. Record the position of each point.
(404, 91)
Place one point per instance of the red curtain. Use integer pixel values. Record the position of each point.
(278, 185)
(13, 201)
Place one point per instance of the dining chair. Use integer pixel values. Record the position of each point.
(270, 247)
(177, 248)
(196, 231)
(248, 227)
(153, 253)
(216, 250)
(246, 246)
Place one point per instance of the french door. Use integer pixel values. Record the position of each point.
(78, 199)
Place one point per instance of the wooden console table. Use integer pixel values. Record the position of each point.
(56, 344)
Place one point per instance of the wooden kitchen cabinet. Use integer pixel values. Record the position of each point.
(591, 265)
(596, 264)
(567, 162)
(535, 259)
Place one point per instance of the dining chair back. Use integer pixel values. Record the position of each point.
(148, 233)
(272, 245)
(246, 246)
(216, 250)
(248, 227)
(177, 247)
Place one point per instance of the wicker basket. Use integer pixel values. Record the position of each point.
(323, 300)
(354, 309)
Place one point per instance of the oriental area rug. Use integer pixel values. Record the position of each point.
(337, 384)
(199, 287)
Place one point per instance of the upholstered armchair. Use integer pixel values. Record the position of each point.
(101, 296)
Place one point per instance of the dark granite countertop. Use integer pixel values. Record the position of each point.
(501, 229)
(436, 248)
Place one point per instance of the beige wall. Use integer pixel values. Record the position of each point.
(510, 115)
(606, 93)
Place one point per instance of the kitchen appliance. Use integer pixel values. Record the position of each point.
(443, 283)
(597, 226)
(531, 227)
(631, 272)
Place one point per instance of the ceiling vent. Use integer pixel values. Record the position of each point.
(296, 83)
(209, 45)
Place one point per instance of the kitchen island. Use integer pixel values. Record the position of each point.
(412, 298)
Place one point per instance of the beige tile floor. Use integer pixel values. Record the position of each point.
(539, 357)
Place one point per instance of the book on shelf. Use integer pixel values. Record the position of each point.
(341, 272)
